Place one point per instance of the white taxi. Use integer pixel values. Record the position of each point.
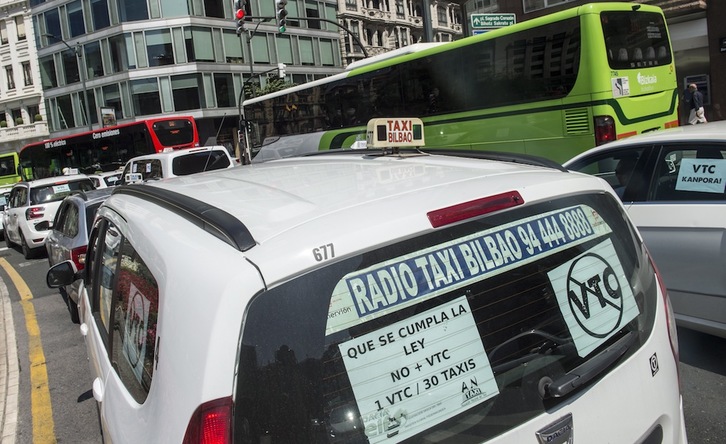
(173, 163)
(377, 296)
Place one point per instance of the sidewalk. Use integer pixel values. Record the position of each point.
(9, 377)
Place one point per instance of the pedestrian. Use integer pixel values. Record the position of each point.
(697, 115)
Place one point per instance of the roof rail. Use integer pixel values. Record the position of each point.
(524, 159)
(207, 217)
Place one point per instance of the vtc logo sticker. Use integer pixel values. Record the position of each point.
(593, 290)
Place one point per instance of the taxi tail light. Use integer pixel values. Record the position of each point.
(211, 423)
(604, 129)
(34, 213)
(78, 256)
(670, 316)
(474, 208)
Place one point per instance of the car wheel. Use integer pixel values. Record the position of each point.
(27, 251)
(72, 308)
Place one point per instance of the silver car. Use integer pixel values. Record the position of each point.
(68, 240)
(672, 185)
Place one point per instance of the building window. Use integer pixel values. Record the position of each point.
(20, 27)
(145, 96)
(213, 8)
(327, 52)
(27, 74)
(112, 99)
(533, 5)
(48, 78)
(159, 47)
(65, 112)
(10, 77)
(33, 110)
(311, 11)
(260, 52)
(399, 9)
(70, 66)
(3, 32)
(186, 91)
(284, 49)
(441, 14)
(122, 53)
(351, 5)
(199, 45)
(133, 10)
(232, 47)
(94, 63)
(52, 23)
(174, 8)
(306, 51)
(224, 90)
(76, 25)
(99, 12)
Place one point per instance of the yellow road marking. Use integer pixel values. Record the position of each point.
(43, 427)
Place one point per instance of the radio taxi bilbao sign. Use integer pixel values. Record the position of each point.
(431, 366)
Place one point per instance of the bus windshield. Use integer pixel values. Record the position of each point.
(635, 39)
(546, 87)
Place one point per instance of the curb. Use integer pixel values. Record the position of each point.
(9, 373)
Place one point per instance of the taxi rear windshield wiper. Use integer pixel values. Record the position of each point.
(588, 371)
(547, 345)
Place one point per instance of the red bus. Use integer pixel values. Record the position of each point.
(108, 148)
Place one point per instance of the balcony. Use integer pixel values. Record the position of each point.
(24, 131)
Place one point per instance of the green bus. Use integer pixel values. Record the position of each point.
(552, 86)
(9, 168)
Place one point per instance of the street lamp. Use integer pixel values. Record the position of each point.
(82, 72)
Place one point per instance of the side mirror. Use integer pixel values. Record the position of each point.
(59, 275)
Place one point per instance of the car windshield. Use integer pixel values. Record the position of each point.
(198, 162)
(58, 191)
(455, 336)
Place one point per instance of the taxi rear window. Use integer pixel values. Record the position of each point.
(447, 337)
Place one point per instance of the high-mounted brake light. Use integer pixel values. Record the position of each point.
(474, 208)
(211, 423)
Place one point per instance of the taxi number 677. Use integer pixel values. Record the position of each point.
(324, 252)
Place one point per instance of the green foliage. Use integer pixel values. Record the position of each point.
(273, 84)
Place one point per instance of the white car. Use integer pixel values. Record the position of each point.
(673, 189)
(4, 195)
(173, 163)
(106, 179)
(32, 206)
(376, 296)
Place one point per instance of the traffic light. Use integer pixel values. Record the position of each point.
(281, 14)
(281, 70)
(242, 13)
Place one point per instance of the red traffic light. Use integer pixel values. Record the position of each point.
(239, 14)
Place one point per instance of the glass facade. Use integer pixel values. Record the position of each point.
(127, 68)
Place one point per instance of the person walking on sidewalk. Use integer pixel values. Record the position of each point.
(697, 114)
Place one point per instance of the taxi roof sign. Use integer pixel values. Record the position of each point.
(394, 132)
